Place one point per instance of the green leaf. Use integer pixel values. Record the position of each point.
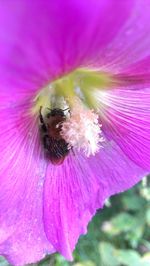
(123, 222)
(133, 202)
(86, 263)
(128, 257)
(3, 262)
(108, 254)
(115, 257)
(148, 217)
(60, 261)
(145, 261)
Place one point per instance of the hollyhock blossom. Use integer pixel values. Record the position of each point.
(90, 58)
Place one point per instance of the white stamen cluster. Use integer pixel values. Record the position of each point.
(82, 130)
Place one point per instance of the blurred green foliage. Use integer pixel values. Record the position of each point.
(119, 235)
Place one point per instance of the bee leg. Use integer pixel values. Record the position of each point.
(43, 126)
(46, 142)
(73, 151)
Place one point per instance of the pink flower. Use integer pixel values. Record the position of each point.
(95, 52)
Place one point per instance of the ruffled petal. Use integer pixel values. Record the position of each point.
(22, 172)
(44, 39)
(75, 190)
(125, 116)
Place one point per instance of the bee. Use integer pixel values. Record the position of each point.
(55, 146)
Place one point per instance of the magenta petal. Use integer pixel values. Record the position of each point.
(115, 171)
(75, 190)
(69, 202)
(140, 67)
(132, 43)
(137, 75)
(126, 120)
(22, 171)
(43, 39)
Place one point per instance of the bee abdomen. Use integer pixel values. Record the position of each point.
(56, 148)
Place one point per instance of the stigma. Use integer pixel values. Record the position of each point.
(82, 130)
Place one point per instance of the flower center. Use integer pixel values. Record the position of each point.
(68, 110)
